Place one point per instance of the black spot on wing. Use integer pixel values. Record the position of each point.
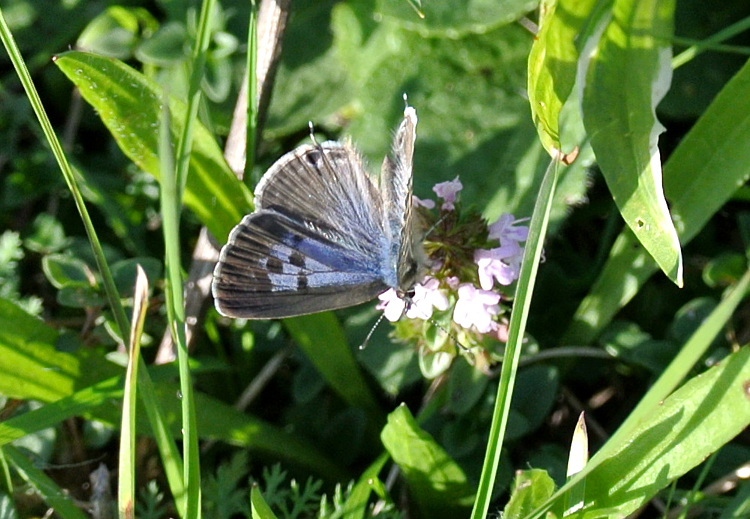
(274, 265)
(297, 259)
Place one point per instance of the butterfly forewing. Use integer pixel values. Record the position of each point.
(326, 186)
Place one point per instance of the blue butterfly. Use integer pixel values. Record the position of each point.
(323, 234)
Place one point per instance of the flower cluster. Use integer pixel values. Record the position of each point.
(469, 262)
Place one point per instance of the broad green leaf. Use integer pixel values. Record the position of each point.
(216, 420)
(62, 270)
(653, 401)
(707, 412)
(30, 367)
(83, 384)
(627, 73)
(466, 385)
(48, 235)
(724, 269)
(553, 61)
(437, 483)
(311, 82)
(530, 489)
(534, 394)
(80, 296)
(83, 402)
(701, 175)
(129, 105)
(166, 47)
(124, 272)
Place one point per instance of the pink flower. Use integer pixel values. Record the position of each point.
(426, 203)
(448, 191)
(427, 296)
(476, 307)
(504, 229)
(453, 282)
(501, 263)
(392, 305)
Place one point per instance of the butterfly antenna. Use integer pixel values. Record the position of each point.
(312, 132)
(449, 333)
(369, 334)
(434, 226)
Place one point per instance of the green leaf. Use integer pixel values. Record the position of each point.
(83, 402)
(712, 158)
(437, 483)
(312, 82)
(707, 412)
(48, 235)
(129, 105)
(166, 48)
(62, 270)
(628, 74)
(466, 385)
(114, 32)
(124, 273)
(355, 506)
(321, 338)
(55, 497)
(535, 393)
(553, 62)
(724, 269)
(260, 508)
(80, 296)
(530, 489)
(31, 368)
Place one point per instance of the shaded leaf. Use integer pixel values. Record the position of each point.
(437, 483)
(62, 270)
(129, 105)
(530, 489)
(630, 62)
(712, 158)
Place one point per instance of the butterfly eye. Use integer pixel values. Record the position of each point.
(313, 157)
(408, 275)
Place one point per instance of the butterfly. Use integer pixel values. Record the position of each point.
(323, 235)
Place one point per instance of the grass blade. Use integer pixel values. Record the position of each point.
(519, 315)
(127, 464)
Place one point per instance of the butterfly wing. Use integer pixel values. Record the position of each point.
(316, 241)
(396, 189)
(326, 185)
